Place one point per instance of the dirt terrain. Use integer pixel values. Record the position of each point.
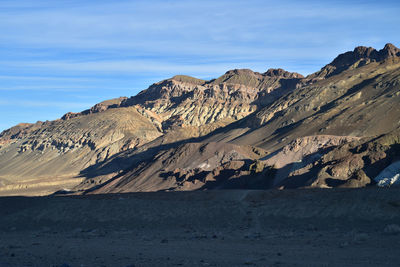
(313, 227)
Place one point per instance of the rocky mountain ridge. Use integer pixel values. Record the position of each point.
(187, 101)
(359, 57)
(140, 141)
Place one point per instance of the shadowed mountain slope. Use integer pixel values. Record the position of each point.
(145, 142)
(357, 102)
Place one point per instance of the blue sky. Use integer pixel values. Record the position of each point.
(67, 55)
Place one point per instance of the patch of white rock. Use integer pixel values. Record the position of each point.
(390, 176)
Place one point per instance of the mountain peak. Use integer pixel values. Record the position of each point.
(187, 79)
(390, 51)
(363, 51)
(240, 72)
(390, 46)
(361, 55)
(282, 73)
(367, 53)
(251, 78)
(245, 77)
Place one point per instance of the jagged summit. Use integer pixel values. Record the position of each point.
(282, 73)
(360, 56)
(389, 51)
(366, 53)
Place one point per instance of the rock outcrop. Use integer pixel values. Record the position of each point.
(346, 162)
(337, 127)
(356, 102)
(235, 95)
(359, 57)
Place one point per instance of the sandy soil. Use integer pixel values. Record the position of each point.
(357, 227)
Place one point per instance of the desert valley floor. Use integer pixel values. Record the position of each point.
(311, 227)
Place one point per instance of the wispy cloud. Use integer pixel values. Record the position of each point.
(186, 25)
(46, 78)
(48, 104)
(52, 50)
(120, 66)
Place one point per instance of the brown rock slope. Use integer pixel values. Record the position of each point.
(53, 153)
(357, 163)
(309, 122)
(362, 100)
(359, 101)
(145, 142)
(186, 101)
(191, 166)
(329, 161)
(44, 157)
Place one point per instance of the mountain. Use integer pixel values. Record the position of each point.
(359, 102)
(359, 57)
(242, 130)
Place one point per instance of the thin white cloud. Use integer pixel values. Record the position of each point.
(121, 43)
(54, 88)
(162, 27)
(47, 78)
(121, 66)
(49, 104)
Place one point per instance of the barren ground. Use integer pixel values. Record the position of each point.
(357, 227)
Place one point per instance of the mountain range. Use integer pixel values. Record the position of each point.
(337, 127)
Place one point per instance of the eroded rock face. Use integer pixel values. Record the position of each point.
(349, 163)
(298, 158)
(18, 132)
(359, 57)
(316, 129)
(175, 102)
(356, 102)
(63, 148)
(172, 110)
(235, 95)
